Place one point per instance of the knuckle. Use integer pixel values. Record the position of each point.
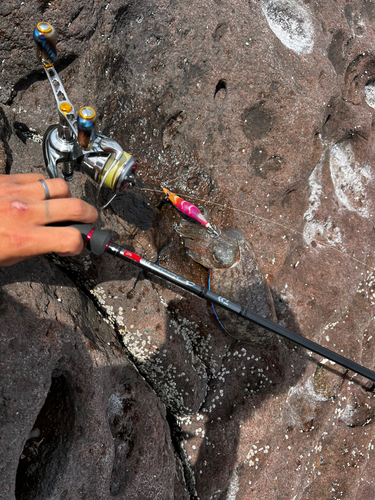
(61, 186)
(73, 242)
(77, 242)
(77, 208)
(10, 189)
(95, 215)
(18, 207)
(39, 177)
(17, 239)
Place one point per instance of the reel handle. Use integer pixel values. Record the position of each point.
(73, 144)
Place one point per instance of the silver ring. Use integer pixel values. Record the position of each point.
(45, 187)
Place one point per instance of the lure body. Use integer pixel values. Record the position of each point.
(189, 209)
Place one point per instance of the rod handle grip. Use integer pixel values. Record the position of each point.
(95, 240)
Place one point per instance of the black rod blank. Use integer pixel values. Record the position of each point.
(240, 311)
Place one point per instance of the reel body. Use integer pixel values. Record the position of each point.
(72, 144)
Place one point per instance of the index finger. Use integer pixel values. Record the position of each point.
(65, 241)
(60, 210)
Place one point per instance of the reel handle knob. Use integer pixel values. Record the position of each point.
(86, 127)
(45, 38)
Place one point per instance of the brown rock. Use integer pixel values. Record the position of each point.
(262, 111)
(77, 420)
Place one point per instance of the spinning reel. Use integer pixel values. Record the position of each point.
(73, 143)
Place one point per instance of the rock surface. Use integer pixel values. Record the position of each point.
(263, 112)
(77, 419)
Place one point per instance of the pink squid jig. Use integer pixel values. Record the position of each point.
(189, 209)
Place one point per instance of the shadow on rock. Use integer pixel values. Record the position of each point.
(6, 157)
(241, 381)
(46, 451)
(76, 419)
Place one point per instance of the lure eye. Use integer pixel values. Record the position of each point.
(223, 254)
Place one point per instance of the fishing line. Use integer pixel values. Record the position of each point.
(264, 219)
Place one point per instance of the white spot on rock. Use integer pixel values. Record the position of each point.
(315, 184)
(370, 94)
(316, 230)
(350, 179)
(291, 23)
(234, 486)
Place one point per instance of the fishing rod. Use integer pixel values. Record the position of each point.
(73, 144)
(99, 242)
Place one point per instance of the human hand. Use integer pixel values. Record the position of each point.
(25, 213)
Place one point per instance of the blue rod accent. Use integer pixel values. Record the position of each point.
(213, 308)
